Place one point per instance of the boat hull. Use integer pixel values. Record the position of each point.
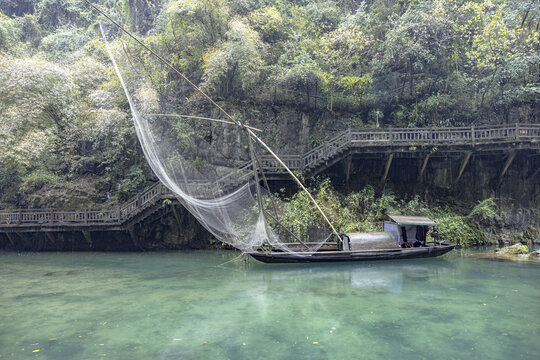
(361, 255)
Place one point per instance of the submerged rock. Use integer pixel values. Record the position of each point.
(517, 252)
(513, 250)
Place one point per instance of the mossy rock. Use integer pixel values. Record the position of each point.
(513, 250)
(499, 256)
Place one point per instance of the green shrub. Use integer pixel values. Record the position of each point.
(364, 211)
(485, 210)
(36, 180)
(454, 228)
(133, 181)
(62, 43)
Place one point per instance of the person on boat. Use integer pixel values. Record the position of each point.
(405, 243)
(435, 234)
(420, 236)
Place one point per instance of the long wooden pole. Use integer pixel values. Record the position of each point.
(295, 179)
(169, 65)
(255, 174)
(206, 118)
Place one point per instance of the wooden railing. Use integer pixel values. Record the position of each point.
(316, 157)
(405, 136)
(448, 136)
(107, 216)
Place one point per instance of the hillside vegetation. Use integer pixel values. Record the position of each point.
(66, 137)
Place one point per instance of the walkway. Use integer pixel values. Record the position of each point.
(124, 216)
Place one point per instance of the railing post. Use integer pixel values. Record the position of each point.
(431, 134)
(517, 131)
(473, 137)
(85, 216)
(139, 200)
(390, 135)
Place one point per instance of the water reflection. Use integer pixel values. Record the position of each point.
(371, 276)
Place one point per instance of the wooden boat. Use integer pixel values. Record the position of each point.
(404, 237)
(430, 250)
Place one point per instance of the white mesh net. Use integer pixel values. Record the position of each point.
(207, 164)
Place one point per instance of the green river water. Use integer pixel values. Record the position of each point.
(185, 306)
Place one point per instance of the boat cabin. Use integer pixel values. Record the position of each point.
(410, 231)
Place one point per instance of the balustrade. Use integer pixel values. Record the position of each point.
(315, 157)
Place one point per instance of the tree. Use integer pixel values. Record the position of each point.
(34, 108)
(299, 75)
(9, 34)
(62, 43)
(203, 20)
(142, 13)
(235, 64)
(268, 22)
(17, 7)
(343, 59)
(56, 13)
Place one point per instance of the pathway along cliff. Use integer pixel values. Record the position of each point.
(154, 220)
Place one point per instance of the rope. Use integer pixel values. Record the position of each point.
(236, 258)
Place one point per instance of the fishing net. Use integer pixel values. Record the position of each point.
(209, 165)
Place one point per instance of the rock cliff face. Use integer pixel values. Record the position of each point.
(293, 131)
(519, 187)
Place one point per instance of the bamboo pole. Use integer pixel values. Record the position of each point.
(206, 118)
(295, 179)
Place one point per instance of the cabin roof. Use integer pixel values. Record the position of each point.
(412, 220)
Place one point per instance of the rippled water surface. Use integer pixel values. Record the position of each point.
(184, 306)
